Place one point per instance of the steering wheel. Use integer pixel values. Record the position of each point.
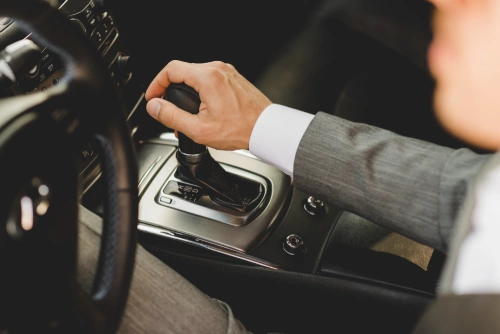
(40, 192)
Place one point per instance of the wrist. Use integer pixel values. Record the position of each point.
(277, 134)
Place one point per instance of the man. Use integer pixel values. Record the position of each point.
(410, 186)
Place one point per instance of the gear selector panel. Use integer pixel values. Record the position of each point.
(164, 208)
(178, 194)
(184, 190)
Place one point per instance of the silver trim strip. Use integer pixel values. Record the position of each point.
(206, 245)
(148, 171)
(136, 106)
(63, 4)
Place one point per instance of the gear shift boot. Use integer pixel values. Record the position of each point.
(224, 188)
(196, 165)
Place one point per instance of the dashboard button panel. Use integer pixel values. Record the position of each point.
(99, 27)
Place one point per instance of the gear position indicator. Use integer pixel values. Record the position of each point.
(184, 190)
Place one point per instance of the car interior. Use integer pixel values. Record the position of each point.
(74, 120)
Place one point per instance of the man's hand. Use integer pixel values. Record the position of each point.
(230, 104)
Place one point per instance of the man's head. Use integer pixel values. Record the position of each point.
(464, 58)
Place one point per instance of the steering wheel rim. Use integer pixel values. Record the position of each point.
(83, 103)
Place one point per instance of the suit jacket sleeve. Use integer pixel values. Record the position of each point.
(410, 186)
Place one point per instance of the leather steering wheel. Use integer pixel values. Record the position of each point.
(39, 189)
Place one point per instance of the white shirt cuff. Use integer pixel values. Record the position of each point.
(276, 136)
(477, 268)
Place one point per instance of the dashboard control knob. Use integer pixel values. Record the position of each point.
(293, 245)
(314, 206)
(33, 72)
(17, 60)
(124, 63)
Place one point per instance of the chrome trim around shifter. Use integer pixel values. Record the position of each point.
(206, 208)
(146, 174)
(241, 239)
(162, 232)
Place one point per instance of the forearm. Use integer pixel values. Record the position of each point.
(410, 186)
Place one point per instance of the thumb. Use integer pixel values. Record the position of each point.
(171, 116)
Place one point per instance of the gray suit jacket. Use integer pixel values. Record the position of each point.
(469, 313)
(412, 187)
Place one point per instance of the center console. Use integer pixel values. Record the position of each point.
(258, 236)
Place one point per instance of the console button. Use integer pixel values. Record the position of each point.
(46, 58)
(314, 206)
(52, 67)
(42, 77)
(294, 245)
(166, 200)
(93, 22)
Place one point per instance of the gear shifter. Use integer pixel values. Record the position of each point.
(196, 165)
(187, 99)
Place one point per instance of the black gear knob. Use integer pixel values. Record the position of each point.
(186, 98)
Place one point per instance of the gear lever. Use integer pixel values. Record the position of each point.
(187, 99)
(196, 165)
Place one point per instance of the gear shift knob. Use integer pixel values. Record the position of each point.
(187, 99)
